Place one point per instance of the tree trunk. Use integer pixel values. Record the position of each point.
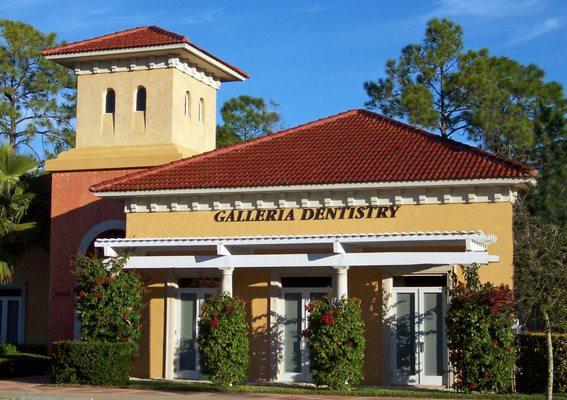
(549, 356)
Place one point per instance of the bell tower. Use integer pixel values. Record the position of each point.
(145, 96)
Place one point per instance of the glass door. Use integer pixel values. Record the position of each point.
(419, 336)
(294, 365)
(10, 320)
(186, 354)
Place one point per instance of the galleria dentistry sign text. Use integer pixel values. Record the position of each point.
(306, 214)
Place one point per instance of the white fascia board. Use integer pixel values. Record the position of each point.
(311, 260)
(180, 46)
(327, 187)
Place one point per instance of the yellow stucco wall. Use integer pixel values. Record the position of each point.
(130, 138)
(491, 218)
(253, 286)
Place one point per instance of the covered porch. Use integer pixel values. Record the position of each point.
(278, 275)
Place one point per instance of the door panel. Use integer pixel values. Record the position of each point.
(433, 334)
(405, 334)
(188, 332)
(292, 332)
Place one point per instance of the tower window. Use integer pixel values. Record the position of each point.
(187, 104)
(141, 99)
(201, 110)
(110, 102)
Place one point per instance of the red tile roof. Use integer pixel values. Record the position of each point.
(356, 146)
(143, 36)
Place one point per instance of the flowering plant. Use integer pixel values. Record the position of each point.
(335, 336)
(481, 340)
(223, 340)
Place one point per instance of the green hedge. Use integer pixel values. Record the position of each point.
(531, 363)
(92, 363)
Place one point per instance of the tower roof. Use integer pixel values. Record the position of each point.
(144, 39)
(356, 146)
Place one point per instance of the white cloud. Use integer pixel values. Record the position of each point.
(548, 25)
(207, 16)
(485, 8)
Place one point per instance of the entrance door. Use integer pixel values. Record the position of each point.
(419, 336)
(186, 354)
(294, 365)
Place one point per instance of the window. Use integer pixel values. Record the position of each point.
(201, 110)
(187, 104)
(141, 99)
(110, 102)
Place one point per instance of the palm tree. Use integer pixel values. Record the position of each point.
(14, 203)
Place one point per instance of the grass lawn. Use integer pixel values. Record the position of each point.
(369, 391)
(23, 364)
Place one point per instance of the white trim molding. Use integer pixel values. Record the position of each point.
(315, 196)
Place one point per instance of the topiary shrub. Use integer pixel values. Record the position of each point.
(109, 300)
(223, 340)
(480, 322)
(531, 375)
(335, 335)
(92, 363)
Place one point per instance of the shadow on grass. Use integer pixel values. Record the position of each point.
(290, 389)
(23, 364)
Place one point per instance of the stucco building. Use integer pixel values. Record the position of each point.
(355, 204)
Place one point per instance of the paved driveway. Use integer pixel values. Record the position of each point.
(39, 388)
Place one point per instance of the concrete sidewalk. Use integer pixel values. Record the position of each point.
(39, 388)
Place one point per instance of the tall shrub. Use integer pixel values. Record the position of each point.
(481, 339)
(336, 342)
(223, 340)
(109, 300)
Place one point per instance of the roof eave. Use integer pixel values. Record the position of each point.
(69, 60)
(520, 183)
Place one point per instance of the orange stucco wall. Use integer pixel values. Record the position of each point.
(74, 211)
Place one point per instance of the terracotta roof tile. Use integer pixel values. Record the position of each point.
(143, 36)
(356, 146)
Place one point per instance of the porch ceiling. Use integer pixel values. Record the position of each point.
(368, 249)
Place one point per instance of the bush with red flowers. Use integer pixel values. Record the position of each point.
(336, 342)
(480, 323)
(223, 340)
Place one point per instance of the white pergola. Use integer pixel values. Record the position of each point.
(337, 251)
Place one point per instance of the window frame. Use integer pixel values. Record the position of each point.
(138, 99)
(108, 92)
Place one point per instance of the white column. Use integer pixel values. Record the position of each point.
(226, 280)
(341, 289)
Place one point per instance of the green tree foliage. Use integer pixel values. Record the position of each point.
(15, 199)
(336, 342)
(37, 96)
(540, 278)
(246, 117)
(109, 300)
(479, 321)
(223, 340)
(424, 85)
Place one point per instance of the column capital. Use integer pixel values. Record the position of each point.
(226, 270)
(341, 268)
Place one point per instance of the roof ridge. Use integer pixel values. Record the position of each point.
(449, 141)
(118, 34)
(223, 150)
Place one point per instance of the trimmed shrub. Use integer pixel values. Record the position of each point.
(480, 334)
(109, 300)
(92, 363)
(223, 340)
(8, 349)
(531, 375)
(336, 342)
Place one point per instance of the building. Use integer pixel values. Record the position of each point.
(355, 204)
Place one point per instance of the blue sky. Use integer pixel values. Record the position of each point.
(312, 57)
